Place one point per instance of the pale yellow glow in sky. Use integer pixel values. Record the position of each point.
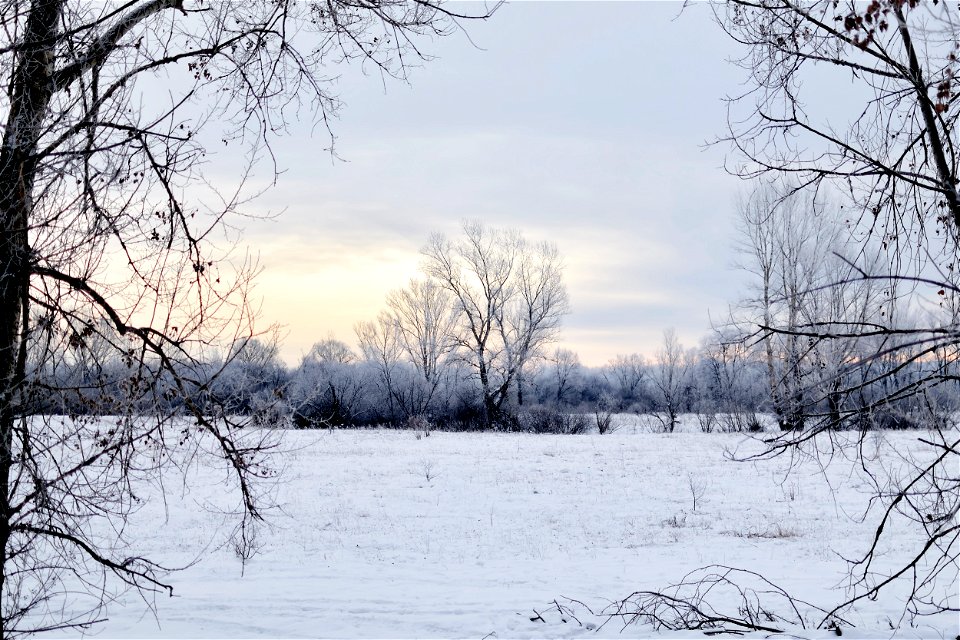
(310, 299)
(310, 295)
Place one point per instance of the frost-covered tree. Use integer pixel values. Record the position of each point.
(669, 378)
(425, 320)
(251, 381)
(625, 373)
(331, 387)
(410, 345)
(509, 298)
(566, 373)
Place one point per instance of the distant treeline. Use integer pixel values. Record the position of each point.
(722, 383)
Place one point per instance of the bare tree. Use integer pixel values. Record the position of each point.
(331, 351)
(425, 319)
(626, 373)
(331, 386)
(759, 243)
(728, 380)
(892, 156)
(416, 333)
(510, 299)
(106, 220)
(566, 367)
(796, 246)
(380, 347)
(669, 379)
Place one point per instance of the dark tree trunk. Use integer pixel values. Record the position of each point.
(833, 407)
(489, 405)
(31, 90)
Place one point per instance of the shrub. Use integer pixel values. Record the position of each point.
(547, 420)
(737, 422)
(887, 418)
(603, 414)
(419, 423)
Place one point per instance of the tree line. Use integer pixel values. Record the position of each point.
(469, 345)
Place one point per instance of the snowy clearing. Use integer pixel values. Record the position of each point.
(387, 534)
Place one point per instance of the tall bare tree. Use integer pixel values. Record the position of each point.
(381, 348)
(889, 146)
(110, 233)
(425, 320)
(510, 299)
(669, 378)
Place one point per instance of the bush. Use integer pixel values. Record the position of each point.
(419, 423)
(707, 418)
(548, 420)
(887, 418)
(603, 414)
(309, 416)
(463, 415)
(270, 412)
(737, 422)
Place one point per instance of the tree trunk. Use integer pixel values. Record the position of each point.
(31, 91)
(775, 395)
(489, 405)
(833, 406)
(948, 182)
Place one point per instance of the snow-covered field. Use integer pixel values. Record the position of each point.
(387, 534)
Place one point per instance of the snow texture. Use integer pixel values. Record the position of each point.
(384, 533)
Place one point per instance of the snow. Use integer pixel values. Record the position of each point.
(385, 533)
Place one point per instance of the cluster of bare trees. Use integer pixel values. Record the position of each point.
(452, 347)
(395, 381)
(830, 338)
(891, 165)
(893, 160)
(488, 305)
(467, 345)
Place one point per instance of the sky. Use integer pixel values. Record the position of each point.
(582, 123)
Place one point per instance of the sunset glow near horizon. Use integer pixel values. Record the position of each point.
(583, 124)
